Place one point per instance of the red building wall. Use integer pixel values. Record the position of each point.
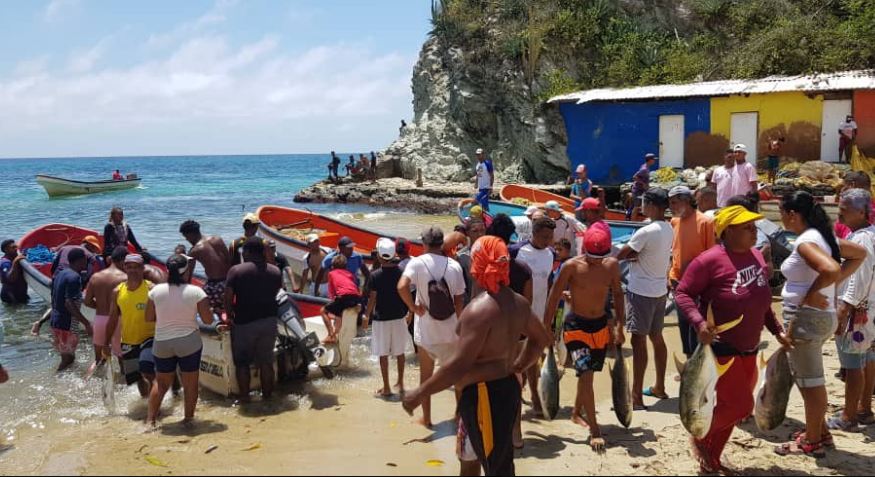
(864, 113)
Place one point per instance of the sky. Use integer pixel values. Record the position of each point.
(169, 77)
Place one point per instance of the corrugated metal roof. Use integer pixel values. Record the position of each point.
(846, 80)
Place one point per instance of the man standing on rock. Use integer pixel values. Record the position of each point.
(485, 179)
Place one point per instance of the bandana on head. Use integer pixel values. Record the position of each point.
(490, 263)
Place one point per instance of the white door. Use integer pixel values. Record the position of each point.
(745, 130)
(671, 141)
(834, 113)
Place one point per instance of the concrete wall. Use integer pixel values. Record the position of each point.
(612, 138)
(864, 114)
(794, 116)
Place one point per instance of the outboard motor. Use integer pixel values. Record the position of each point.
(297, 348)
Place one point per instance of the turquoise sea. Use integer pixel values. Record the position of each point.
(214, 190)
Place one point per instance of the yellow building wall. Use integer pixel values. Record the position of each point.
(793, 116)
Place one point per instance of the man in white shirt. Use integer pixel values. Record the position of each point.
(847, 134)
(566, 228)
(649, 252)
(746, 180)
(721, 178)
(436, 339)
(524, 224)
(484, 181)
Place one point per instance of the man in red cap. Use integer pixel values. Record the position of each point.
(485, 361)
(589, 330)
(590, 214)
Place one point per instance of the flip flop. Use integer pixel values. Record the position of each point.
(639, 407)
(649, 392)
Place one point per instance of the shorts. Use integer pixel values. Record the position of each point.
(587, 341)
(810, 329)
(99, 326)
(855, 360)
(440, 353)
(645, 315)
(215, 290)
(342, 303)
(389, 338)
(65, 341)
(184, 353)
(774, 163)
(137, 360)
(489, 411)
(254, 343)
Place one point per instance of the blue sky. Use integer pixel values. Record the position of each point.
(161, 77)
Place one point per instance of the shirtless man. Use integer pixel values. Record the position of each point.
(151, 272)
(485, 361)
(213, 254)
(312, 267)
(588, 331)
(98, 296)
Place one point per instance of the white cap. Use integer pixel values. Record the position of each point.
(581, 168)
(740, 148)
(386, 248)
(553, 205)
(479, 151)
(312, 238)
(531, 210)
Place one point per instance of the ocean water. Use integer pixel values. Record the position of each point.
(214, 190)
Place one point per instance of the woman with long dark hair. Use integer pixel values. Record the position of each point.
(174, 307)
(117, 233)
(818, 262)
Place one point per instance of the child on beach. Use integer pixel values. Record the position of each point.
(344, 294)
(389, 338)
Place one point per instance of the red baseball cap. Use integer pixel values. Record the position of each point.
(590, 203)
(596, 242)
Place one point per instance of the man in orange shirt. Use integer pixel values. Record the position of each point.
(693, 234)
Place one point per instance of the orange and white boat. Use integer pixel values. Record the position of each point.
(289, 228)
(535, 196)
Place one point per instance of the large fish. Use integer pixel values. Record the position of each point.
(548, 386)
(621, 390)
(776, 382)
(698, 394)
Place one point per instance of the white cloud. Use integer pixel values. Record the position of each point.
(55, 8)
(280, 100)
(217, 15)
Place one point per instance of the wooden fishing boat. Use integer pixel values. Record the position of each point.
(60, 187)
(533, 196)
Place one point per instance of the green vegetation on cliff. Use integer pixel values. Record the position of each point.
(567, 45)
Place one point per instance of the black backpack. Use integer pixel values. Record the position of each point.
(441, 305)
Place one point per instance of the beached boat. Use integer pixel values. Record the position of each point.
(530, 195)
(289, 229)
(59, 187)
(463, 210)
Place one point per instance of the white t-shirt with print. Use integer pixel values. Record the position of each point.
(426, 330)
(541, 264)
(648, 275)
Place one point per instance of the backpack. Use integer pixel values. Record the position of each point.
(441, 305)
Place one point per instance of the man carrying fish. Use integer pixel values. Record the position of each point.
(731, 279)
(485, 360)
(588, 330)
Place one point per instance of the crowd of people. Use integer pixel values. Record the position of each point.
(364, 168)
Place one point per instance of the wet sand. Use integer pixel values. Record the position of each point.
(337, 427)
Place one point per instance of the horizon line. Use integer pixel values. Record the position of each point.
(163, 156)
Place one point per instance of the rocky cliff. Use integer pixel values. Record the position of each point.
(463, 101)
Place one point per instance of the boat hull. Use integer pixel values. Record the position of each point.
(536, 196)
(58, 187)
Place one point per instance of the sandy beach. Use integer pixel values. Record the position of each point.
(338, 427)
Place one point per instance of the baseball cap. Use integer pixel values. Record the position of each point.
(312, 238)
(650, 155)
(580, 168)
(734, 215)
(590, 203)
(479, 150)
(93, 241)
(740, 148)
(251, 218)
(134, 258)
(531, 210)
(386, 248)
(680, 190)
(553, 205)
(345, 242)
(657, 196)
(596, 242)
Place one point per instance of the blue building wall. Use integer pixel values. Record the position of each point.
(612, 138)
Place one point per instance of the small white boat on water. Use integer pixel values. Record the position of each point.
(59, 187)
